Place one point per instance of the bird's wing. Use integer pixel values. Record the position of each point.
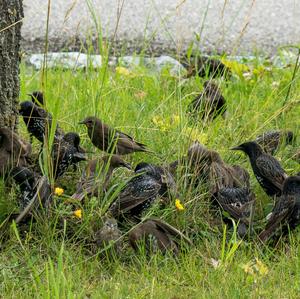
(281, 211)
(270, 168)
(137, 191)
(238, 202)
(128, 142)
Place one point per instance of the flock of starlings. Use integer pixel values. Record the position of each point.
(228, 185)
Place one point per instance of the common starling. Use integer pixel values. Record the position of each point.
(35, 190)
(195, 162)
(13, 151)
(222, 175)
(286, 211)
(157, 235)
(37, 120)
(98, 173)
(109, 234)
(66, 151)
(162, 176)
(219, 174)
(138, 194)
(271, 140)
(239, 204)
(37, 97)
(266, 168)
(205, 67)
(209, 103)
(110, 140)
(241, 175)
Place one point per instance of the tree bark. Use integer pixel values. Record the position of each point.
(11, 15)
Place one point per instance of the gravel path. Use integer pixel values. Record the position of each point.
(161, 25)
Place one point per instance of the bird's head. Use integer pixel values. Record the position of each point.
(90, 121)
(110, 224)
(26, 108)
(72, 138)
(292, 185)
(37, 97)
(250, 148)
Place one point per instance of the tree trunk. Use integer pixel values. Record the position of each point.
(11, 14)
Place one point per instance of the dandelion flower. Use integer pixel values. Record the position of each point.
(179, 205)
(58, 191)
(78, 213)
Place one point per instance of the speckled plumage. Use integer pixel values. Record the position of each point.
(239, 204)
(37, 120)
(266, 168)
(286, 210)
(66, 151)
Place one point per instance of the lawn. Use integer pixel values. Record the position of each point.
(54, 259)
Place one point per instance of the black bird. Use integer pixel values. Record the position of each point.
(239, 204)
(98, 174)
(37, 97)
(141, 191)
(109, 234)
(271, 140)
(157, 235)
(286, 211)
(66, 151)
(37, 120)
(35, 190)
(162, 176)
(205, 67)
(209, 103)
(111, 140)
(266, 168)
(13, 151)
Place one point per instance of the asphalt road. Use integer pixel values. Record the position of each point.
(236, 26)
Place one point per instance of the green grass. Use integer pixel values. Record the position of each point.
(53, 259)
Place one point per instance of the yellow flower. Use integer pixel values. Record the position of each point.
(123, 71)
(236, 67)
(248, 268)
(160, 123)
(78, 213)
(176, 119)
(58, 191)
(261, 268)
(179, 205)
(194, 134)
(256, 268)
